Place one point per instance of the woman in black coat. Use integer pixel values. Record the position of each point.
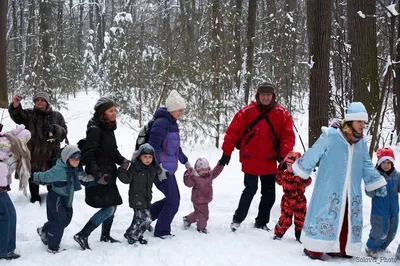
(100, 154)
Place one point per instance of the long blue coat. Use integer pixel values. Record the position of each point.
(341, 168)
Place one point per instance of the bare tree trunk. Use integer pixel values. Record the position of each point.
(3, 48)
(396, 85)
(319, 36)
(91, 26)
(45, 9)
(363, 57)
(251, 30)
(216, 18)
(238, 52)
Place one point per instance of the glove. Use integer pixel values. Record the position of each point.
(282, 165)
(381, 192)
(164, 174)
(125, 164)
(192, 172)
(104, 179)
(187, 165)
(224, 159)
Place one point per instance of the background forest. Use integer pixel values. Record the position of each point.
(322, 55)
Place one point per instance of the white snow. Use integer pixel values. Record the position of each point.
(361, 14)
(392, 10)
(248, 246)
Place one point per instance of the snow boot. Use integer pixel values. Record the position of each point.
(297, 234)
(43, 236)
(105, 233)
(82, 237)
(234, 226)
(186, 224)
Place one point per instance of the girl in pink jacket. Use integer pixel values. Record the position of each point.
(200, 179)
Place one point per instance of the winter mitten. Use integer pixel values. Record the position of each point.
(164, 174)
(125, 164)
(224, 159)
(103, 180)
(381, 192)
(187, 165)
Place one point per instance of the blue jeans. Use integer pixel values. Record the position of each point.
(104, 214)
(8, 225)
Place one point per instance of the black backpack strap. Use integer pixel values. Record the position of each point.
(277, 141)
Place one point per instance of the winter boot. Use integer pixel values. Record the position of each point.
(234, 226)
(204, 231)
(35, 198)
(371, 253)
(297, 234)
(261, 226)
(55, 250)
(131, 241)
(186, 224)
(142, 241)
(43, 236)
(10, 256)
(313, 255)
(276, 237)
(82, 237)
(105, 233)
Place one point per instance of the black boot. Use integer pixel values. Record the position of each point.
(297, 234)
(105, 233)
(82, 237)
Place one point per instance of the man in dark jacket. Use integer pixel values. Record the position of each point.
(48, 130)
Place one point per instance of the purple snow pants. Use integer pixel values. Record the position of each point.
(164, 210)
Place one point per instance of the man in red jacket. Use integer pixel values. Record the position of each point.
(263, 141)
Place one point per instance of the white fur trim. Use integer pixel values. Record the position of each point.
(316, 245)
(356, 117)
(384, 158)
(376, 185)
(299, 172)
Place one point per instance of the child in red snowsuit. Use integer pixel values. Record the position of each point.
(200, 179)
(293, 203)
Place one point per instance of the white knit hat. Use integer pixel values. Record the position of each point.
(175, 101)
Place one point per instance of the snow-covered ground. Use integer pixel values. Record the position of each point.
(248, 246)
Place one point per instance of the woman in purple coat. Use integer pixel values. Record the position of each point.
(164, 138)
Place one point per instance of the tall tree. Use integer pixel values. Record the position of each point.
(251, 31)
(363, 56)
(319, 37)
(3, 48)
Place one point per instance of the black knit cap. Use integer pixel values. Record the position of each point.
(103, 104)
(266, 87)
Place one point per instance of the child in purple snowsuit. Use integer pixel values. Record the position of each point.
(202, 193)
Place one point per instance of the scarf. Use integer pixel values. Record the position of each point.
(349, 133)
(73, 175)
(23, 156)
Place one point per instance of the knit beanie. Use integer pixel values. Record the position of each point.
(385, 154)
(103, 104)
(202, 164)
(356, 112)
(41, 94)
(175, 101)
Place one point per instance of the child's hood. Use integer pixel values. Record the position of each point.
(68, 151)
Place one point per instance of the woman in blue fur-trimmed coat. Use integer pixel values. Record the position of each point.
(334, 218)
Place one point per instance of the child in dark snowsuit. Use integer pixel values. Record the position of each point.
(293, 203)
(201, 180)
(65, 178)
(385, 210)
(140, 176)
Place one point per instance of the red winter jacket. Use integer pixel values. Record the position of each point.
(257, 153)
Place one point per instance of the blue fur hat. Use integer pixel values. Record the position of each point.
(356, 112)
